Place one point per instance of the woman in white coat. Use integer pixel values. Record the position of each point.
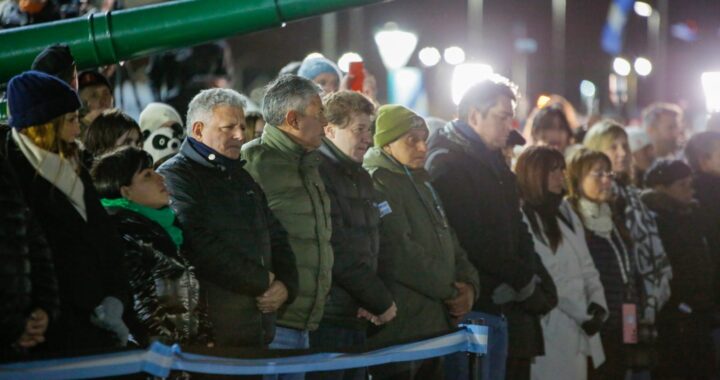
(571, 329)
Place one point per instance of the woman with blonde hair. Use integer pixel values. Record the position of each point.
(570, 330)
(590, 193)
(647, 250)
(42, 151)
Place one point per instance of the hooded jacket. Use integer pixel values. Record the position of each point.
(355, 240)
(289, 175)
(233, 240)
(420, 257)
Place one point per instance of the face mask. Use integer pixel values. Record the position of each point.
(32, 6)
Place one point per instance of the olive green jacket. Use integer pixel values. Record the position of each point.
(288, 174)
(420, 257)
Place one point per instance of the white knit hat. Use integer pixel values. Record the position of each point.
(156, 115)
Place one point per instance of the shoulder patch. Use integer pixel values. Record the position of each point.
(384, 208)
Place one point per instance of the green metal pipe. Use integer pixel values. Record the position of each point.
(105, 38)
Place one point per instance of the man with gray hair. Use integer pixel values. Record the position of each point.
(662, 122)
(284, 161)
(239, 249)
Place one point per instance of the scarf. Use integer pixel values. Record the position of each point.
(211, 155)
(596, 216)
(651, 260)
(59, 171)
(165, 216)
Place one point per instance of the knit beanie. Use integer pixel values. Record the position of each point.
(393, 121)
(36, 98)
(312, 67)
(54, 60)
(155, 115)
(666, 172)
(637, 138)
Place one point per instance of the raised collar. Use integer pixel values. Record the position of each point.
(207, 157)
(332, 152)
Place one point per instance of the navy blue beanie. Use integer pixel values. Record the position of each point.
(36, 98)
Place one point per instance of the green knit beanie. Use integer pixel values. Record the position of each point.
(393, 121)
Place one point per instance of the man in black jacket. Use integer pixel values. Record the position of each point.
(240, 251)
(481, 199)
(357, 291)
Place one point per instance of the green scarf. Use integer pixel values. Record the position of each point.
(165, 216)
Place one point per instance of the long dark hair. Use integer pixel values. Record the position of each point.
(533, 168)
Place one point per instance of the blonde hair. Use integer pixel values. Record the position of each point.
(47, 136)
(602, 134)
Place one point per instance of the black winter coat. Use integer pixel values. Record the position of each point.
(166, 295)
(233, 240)
(481, 200)
(694, 271)
(28, 274)
(86, 255)
(355, 241)
(707, 192)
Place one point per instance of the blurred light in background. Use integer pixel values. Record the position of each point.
(396, 46)
(429, 56)
(711, 87)
(344, 61)
(314, 55)
(454, 55)
(643, 66)
(542, 101)
(466, 75)
(642, 9)
(587, 89)
(621, 66)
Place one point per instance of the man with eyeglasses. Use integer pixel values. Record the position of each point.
(285, 161)
(480, 195)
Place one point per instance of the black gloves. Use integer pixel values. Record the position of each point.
(592, 326)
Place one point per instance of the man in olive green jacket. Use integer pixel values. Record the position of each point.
(433, 282)
(284, 161)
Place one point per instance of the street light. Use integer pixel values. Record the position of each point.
(643, 66)
(621, 66)
(466, 75)
(587, 89)
(429, 56)
(711, 87)
(396, 46)
(642, 9)
(454, 55)
(344, 61)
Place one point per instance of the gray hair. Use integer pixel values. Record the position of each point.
(287, 93)
(652, 113)
(202, 105)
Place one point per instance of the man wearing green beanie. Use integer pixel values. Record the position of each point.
(421, 260)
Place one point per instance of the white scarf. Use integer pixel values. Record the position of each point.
(597, 216)
(55, 169)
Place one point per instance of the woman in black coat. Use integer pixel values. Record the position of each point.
(166, 295)
(42, 151)
(28, 287)
(684, 324)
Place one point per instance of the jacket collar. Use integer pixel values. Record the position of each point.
(333, 153)
(275, 138)
(209, 161)
(376, 158)
(658, 201)
(460, 134)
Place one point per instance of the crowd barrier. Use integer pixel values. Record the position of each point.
(159, 360)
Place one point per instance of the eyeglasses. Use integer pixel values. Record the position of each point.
(602, 175)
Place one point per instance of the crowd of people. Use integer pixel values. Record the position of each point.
(321, 219)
